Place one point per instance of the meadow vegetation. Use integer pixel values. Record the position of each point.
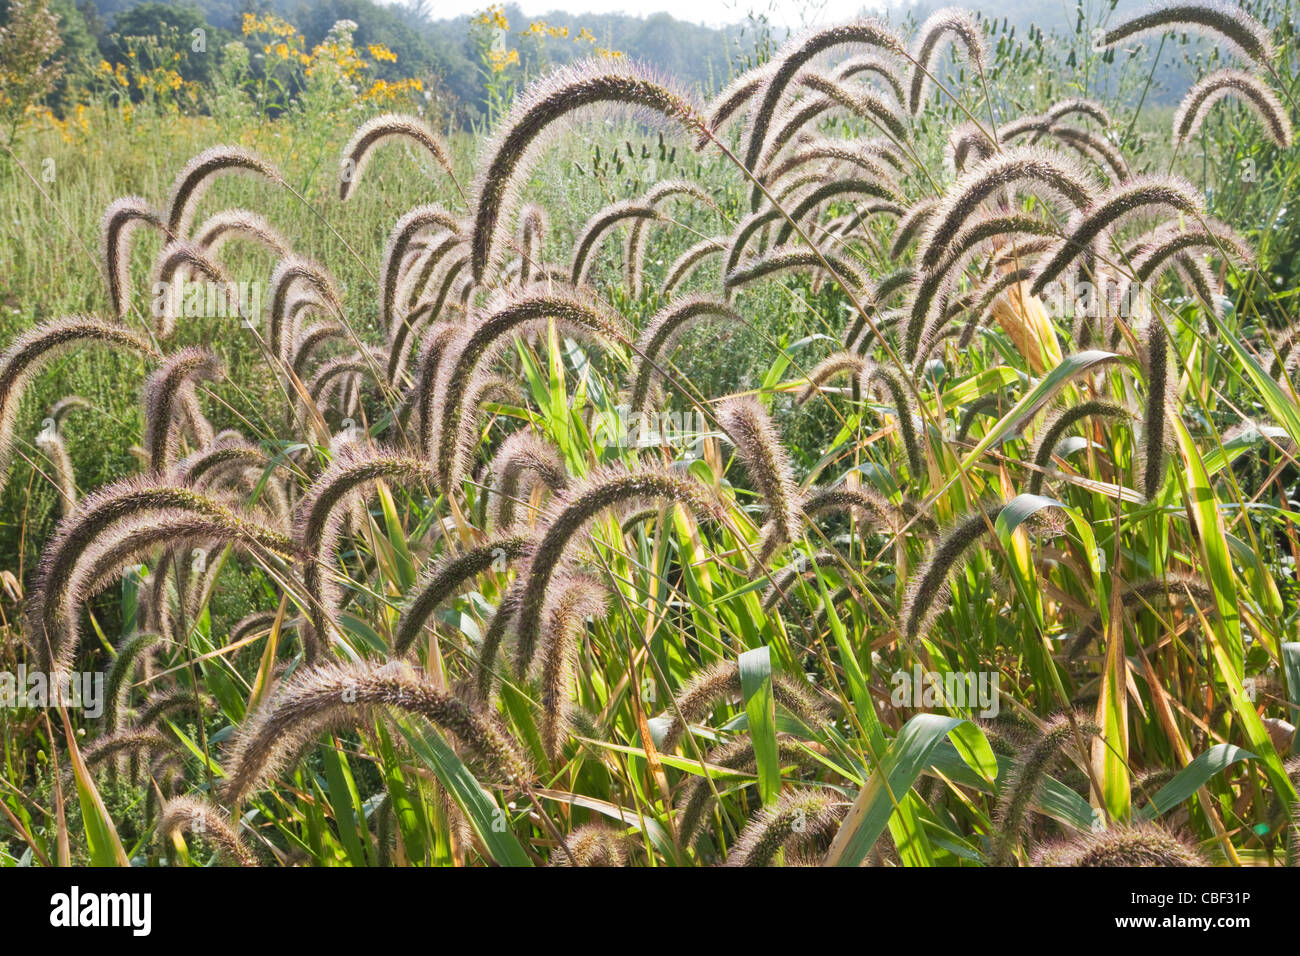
(885, 459)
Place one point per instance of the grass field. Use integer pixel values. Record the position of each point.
(940, 512)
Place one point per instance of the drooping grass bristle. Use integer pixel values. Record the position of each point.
(928, 589)
(597, 226)
(164, 392)
(581, 503)
(445, 577)
(221, 227)
(575, 598)
(720, 682)
(1142, 844)
(346, 696)
(1242, 86)
(659, 335)
(1030, 167)
(31, 350)
(1056, 427)
(558, 95)
(1019, 791)
(592, 844)
(800, 818)
(795, 55)
(120, 221)
(523, 460)
(318, 526)
(182, 815)
(198, 174)
(1226, 24)
(860, 102)
(510, 313)
(380, 129)
(1144, 195)
(766, 462)
(952, 22)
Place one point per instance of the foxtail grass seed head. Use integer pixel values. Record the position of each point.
(576, 597)
(177, 262)
(732, 98)
(1143, 844)
(888, 69)
(877, 376)
(370, 134)
(52, 446)
(1153, 449)
(523, 460)
(401, 238)
(33, 349)
(948, 23)
(836, 191)
(592, 844)
(189, 815)
(121, 220)
(720, 682)
(1043, 172)
(638, 230)
(508, 314)
(800, 819)
(864, 103)
(1032, 764)
(834, 365)
(927, 593)
(1228, 25)
(533, 227)
(1056, 427)
(596, 228)
(662, 332)
(513, 149)
(221, 227)
(198, 174)
(349, 696)
(443, 579)
(319, 520)
(910, 225)
(690, 260)
(795, 55)
(603, 489)
(1147, 195)
(766, 462)
(1242, 86)
(790, 258)
(163, 396)
(289, 279)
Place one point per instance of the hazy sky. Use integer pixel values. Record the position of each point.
(713, 12)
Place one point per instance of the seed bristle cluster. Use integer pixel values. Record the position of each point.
(477, 540)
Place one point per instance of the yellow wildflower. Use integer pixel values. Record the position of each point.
(500, 59)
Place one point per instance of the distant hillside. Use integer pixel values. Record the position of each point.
(699, 56)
